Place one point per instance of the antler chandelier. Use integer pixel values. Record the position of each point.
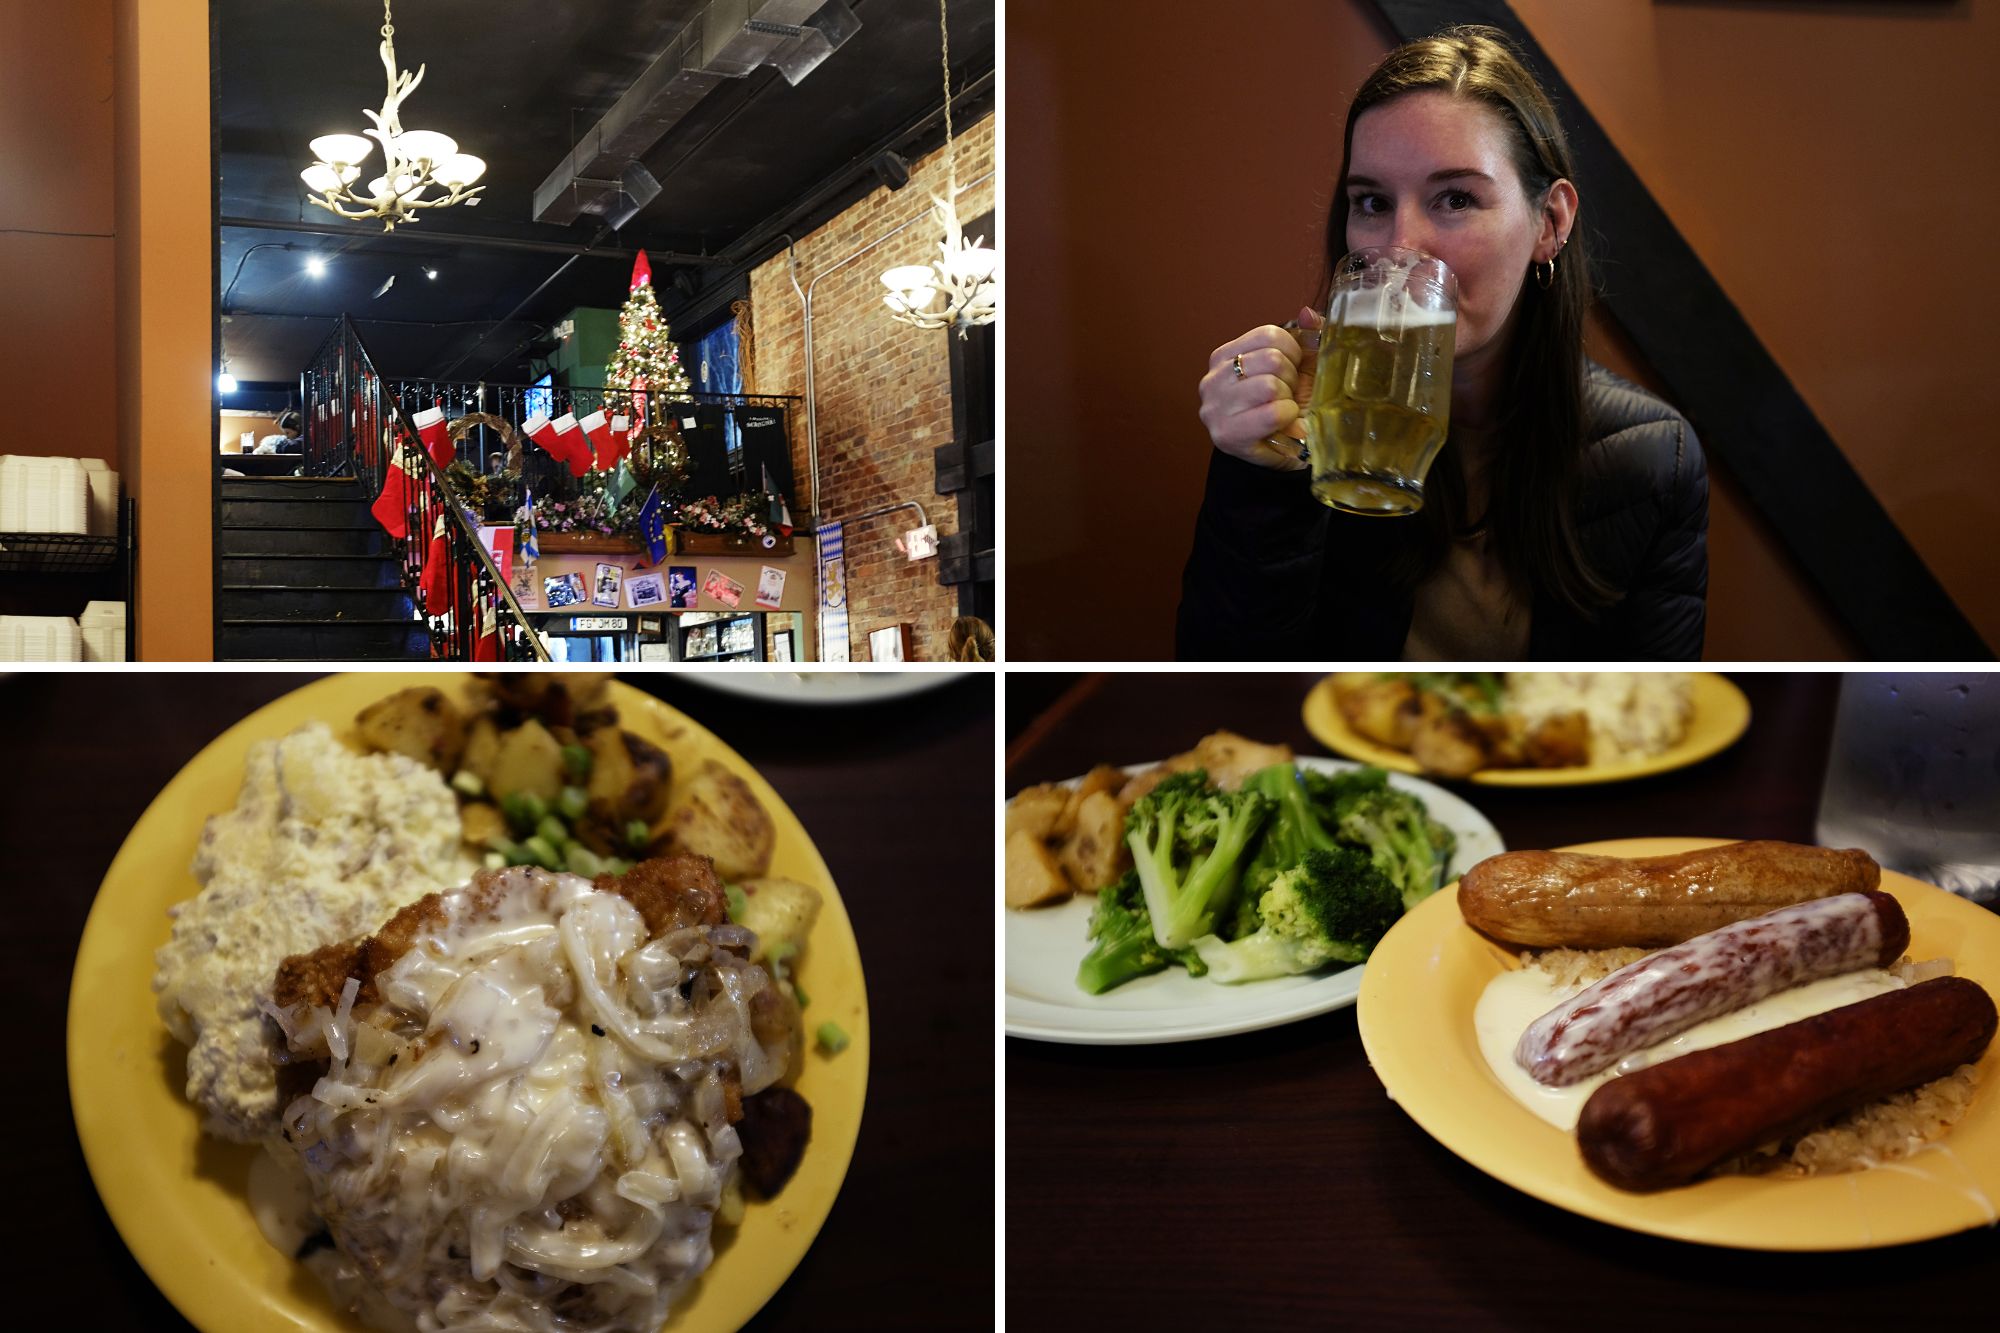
(963, 272)
(417, 160)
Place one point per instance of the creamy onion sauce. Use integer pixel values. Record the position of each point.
(1513, 1000)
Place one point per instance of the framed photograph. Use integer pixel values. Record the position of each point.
(681, 587)
(647, 589)
(563, 590)
(723, 589)
(891, 643)
(610, 578)
(781, 645)
(770, 587)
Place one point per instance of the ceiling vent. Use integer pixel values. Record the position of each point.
(728, 39)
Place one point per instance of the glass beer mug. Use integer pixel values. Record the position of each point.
(1381, 397)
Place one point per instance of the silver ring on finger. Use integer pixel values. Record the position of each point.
(1239, 365)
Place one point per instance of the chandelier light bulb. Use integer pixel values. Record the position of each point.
(341, 149)
(316, 266)
(321, 178)
(460, 169)
(426, 146)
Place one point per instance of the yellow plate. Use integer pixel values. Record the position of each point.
(178, 1198)
(1720, 715)
(1415, 1016)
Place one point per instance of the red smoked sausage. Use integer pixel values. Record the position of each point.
(1665, 1125)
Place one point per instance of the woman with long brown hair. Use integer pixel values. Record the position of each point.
(1566, 516)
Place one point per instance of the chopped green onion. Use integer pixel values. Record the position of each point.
(782, 951)
(583, 861)
(799, 993)
(616, 865)
(539, 850)
(739, 902)
(577, 759)
(554, 831)
(467, 783)
(494, 860)
(832, 1038)
(572, 803)
(524, 810)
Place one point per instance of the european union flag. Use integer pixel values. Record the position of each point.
(531, 548)
(653, 525)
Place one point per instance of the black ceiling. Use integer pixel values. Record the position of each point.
(514, 82)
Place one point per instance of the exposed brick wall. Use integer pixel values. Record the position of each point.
(883, 387)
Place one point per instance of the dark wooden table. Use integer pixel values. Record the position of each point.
(1266, 1180)
(899, 798)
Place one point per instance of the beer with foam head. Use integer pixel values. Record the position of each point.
(1381, 399)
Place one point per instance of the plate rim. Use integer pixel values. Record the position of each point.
(1317, 1001)
(1729, 1212)
(1322, 719)
(134, 1220)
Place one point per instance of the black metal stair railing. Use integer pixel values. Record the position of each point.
(352, 426)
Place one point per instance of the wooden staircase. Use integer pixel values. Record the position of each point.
(308, 575)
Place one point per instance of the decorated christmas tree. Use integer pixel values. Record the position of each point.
(646, 362)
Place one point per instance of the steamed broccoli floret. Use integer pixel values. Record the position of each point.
(1297, 826)
(1122, 946)
(1189, 846)
(1332, 908)
(1408, 846)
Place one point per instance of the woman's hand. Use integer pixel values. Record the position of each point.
(1242, 411)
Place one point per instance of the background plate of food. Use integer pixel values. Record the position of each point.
(1048, 936)
(1528, 729)
(821, 687)
(180, 1197)
(1417, 1020)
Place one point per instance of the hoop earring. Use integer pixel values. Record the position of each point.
(1545, 280)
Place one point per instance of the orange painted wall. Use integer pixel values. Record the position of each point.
(165, 317)
(1823, 161)
(58, 264)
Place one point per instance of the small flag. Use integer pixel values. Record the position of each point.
(617, 486)
(781, 513)
(653, 525)
(531, 547)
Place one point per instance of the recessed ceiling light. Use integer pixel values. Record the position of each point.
(316, 266)
(431, 273)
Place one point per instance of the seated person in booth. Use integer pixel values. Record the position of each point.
(287, 440)
(1566, 514)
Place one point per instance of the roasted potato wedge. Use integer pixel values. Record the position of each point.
(482, 749)
(480, 823)
(1230, 758)
(419, 722)
(1095, 853)
(530, 760)
(630, 778)
(1381, 709)
(1034, 877)
(1102, 778)
(575, 699)
(720, 817)
(1036, 809)
(781, 911)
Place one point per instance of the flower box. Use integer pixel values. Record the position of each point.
(586, 543)
(727, 543)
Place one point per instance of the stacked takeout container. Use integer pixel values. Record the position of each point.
(58, 495)
(103, 631)
(42, 639)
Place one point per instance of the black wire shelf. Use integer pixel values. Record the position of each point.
(56, 553)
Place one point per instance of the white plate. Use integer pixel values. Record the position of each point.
(1045, 945)
(821, 687)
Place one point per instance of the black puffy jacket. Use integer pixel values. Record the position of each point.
(1277, 576)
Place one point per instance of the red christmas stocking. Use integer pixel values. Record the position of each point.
(571, 447)
(618, 436)
(437, 440)
(597, 429)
